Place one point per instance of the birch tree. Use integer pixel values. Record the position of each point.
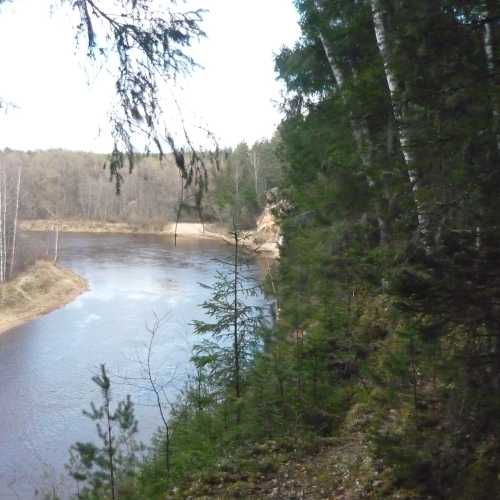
(359, 125)
(3, 201)
(16, 215)
(491, 61)
(401, 117)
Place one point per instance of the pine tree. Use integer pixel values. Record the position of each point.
(96, 469)
(230, 336)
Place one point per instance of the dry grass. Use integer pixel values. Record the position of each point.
(41, 289)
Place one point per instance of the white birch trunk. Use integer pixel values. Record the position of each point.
(56, 246)
(490, 61)
(256, 173)
(404, 138)
(359, 126)
(14, 235)
(4, 224)
(2, 201)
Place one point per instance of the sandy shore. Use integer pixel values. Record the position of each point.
(85, 226)
(43, 288)
(264, 239)
(89, 226)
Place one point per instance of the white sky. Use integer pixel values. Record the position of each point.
(61, 104)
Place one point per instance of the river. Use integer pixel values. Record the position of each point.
(46, 365)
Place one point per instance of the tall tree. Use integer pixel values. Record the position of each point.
(230, 335)
(401, 116)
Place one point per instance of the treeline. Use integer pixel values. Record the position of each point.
(59, 184)
(387, 336)
(63, 185)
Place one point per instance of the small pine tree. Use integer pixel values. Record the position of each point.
(98, 469)
(230, 338)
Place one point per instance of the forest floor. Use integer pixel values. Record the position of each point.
(327, 468)
(41, 289)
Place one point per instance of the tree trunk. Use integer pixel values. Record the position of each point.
(2, 201)
(256, 173)
(488, 43)
(359, 126)
(179, 210)
(378, 12)
(110, 452)
(56, 245)
(236, 346)
(3, 215)
(14, 236)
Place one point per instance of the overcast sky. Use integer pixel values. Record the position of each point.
(62, 103)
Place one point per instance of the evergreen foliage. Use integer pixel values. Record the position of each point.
(388, 279)
(230, 333)
(102, 471)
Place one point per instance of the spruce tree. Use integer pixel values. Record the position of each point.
(230, 334)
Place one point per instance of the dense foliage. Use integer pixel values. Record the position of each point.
(387, 331)
(391, 247)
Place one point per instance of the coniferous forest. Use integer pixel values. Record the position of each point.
(386, 343)
(377, 372)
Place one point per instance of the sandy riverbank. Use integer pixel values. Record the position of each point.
(264, 239)
(41, 289)
(90, 226)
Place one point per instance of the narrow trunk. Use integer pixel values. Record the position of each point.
(2, 261)
(236, 346)
(359, 126)
(179, 210)
(56, 248)
(3, 215)
(14, 236)
(110, 453)
(489, 51)
(237, 191)
(156, 391)
(256, 173)
(400, 118)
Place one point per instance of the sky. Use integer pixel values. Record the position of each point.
(63, 102)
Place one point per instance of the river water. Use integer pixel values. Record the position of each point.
(46, 365)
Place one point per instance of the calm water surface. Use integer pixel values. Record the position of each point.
(46, 366)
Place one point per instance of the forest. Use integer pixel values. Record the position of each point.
(63, 186)
(376, 373)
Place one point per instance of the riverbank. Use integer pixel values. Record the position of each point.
(38, 291)
(90, 226)
(264, 239)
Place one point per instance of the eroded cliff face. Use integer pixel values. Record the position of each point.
(266, 238)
